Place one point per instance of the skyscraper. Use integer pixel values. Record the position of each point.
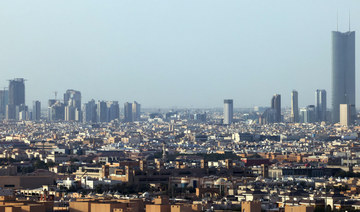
(135, 111)
(228, 111)
(16, 98)
(70, 113)
(72, 102)
(276, 105)
(345, 114)
(113, 110)
(294, 107)
(4, 97)
(72, 98)
(89, 112)
(320, 97)
(17, 92)
(128, 112)
(307, 115)
(36, 111)
(343, 72)
(102, 111)
(56, 110)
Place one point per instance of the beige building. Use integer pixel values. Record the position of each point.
(10, 203)
(161, 204)
(251, 206)
(298, 208)
(345, 114)
(93, 205)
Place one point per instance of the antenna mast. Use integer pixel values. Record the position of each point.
(337, 20)
(349, 20)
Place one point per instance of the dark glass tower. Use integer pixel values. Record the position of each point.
(276, 106)
(17, 92)
(294, 107)
(343, 72)
(16, 98)
(320, 96)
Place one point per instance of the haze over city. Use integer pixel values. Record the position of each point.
(173, 53)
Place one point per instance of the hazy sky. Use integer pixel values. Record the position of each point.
(163, 53)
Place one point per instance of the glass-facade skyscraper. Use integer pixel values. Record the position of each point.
(320, 99)
(16, 101)
(228, 111)
(294, 107)
(276, 106)
(343, 72)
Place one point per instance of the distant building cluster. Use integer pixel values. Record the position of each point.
(13, 107)
(343, 109)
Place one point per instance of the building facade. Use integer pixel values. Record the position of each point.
(276, 106)
(16, 98)
(36, 112)
(228, 111)
(294, 107)
(320, 98)
(343, 72)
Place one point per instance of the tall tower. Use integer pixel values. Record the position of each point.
(102, 111)
(320, 99)
(343, 72)
(128, 112)
(136, 111)
(16, 101)
(72, 98)
(89, 112)
(228, 111)
(345, 114)
(294, 107)
(113, 110)
(17, 92)
(4, 98)
(36, 110)
(276, 106)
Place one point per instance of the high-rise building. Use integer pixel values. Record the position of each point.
(89, 112)
(345, 114)
(307, 115)
(36, 112)
(56, 110)
(17, 91)
(320, 97)
(135, 111)
(268, 116)
(200, 117)
(102, 111)
(72, 98)
(228, 111)
(4, 97)
(113, 110)
(294, 107)
(311, 113)
(128, 112)
(343, 72)
(70, 113)
(16, 98)
(276, 105)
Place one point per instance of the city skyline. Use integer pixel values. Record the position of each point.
(163, 62)
(73, 98)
